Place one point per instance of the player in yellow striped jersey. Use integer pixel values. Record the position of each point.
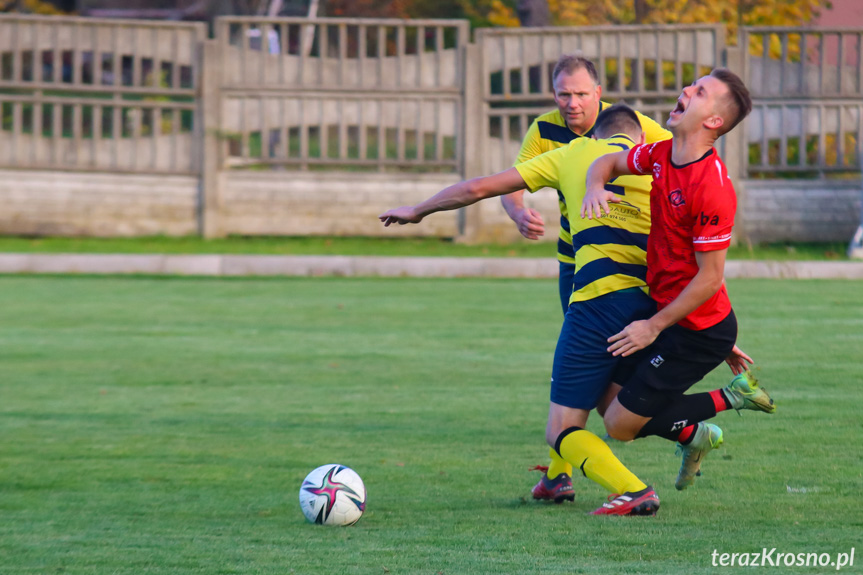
(577, 93)
(607, 294)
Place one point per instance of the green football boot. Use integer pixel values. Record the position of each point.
(707, 438)
(745, 393)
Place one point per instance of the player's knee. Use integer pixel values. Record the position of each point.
(623, 435)
(619, 432)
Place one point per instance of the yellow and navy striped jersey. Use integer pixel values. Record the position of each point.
(609, 252)
(549, 132)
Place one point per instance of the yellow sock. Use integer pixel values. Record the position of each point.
(557, 465)
(594, 458)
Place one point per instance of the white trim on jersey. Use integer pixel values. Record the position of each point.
(712, 241)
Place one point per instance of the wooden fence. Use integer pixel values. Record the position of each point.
(396, 99)
(107, 95)
(343, 93)
(807, 86)
(384, 95)
(646, 66)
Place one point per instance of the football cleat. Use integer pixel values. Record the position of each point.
(644, 502)
(745, 393)
(558, 489)
(707, 438)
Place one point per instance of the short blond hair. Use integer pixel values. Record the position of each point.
(569, 63)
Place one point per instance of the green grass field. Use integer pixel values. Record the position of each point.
(163, 426)
(366, 246)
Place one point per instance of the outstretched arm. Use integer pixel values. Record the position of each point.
(708, 280)
(456, 196)
(602, 170)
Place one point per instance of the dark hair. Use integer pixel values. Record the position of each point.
(569, 63)
(618, 119)
(737, 104)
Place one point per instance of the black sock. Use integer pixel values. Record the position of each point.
(724, 396)
(686, 410)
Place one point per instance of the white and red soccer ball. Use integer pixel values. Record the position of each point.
(333, 494)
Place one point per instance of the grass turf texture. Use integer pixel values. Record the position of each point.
(165, 425)
(367, 246)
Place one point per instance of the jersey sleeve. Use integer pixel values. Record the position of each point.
(543, 171)
(531, 146)
(639, 159)
(653, 131)
(713, 211)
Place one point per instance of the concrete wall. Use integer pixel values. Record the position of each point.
(489, 223)
(95, 204)
(291, 203)
(321, 203)
(768, 211)
(796, 210)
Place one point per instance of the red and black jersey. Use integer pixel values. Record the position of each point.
(692, 210)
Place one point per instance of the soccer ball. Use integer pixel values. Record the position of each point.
(333, 495)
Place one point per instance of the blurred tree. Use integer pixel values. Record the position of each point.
(30, 7)
(733, 13)
(596, 12)
(533, 13)
(250, 7)
(362, 9)
(479, 12)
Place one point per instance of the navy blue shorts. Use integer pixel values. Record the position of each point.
(564, 283)
(582, 367)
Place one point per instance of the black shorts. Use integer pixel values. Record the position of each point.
(677, 360)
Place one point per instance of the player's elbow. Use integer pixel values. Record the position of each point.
(713, 281)
(711, 270)
(716, 284)
(477, 189)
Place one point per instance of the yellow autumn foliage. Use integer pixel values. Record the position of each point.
(731, 13)
(30, 7)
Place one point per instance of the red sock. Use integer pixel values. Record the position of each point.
(720, 402)
(686, 434)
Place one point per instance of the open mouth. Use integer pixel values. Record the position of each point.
(680, 108)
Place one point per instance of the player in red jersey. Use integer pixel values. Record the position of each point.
(693, 205)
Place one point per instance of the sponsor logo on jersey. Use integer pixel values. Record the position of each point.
(624, 208)
(676, 198)
(708, 220)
